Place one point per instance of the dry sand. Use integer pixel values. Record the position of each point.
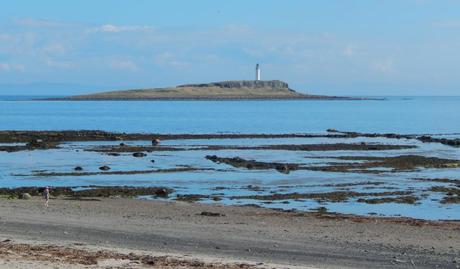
(245, 235)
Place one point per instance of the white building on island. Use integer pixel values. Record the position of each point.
(257, 72)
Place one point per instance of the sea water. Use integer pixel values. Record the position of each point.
(403, 115)
(421, 115)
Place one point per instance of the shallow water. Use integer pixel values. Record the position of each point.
(19, 169)
(395, 115)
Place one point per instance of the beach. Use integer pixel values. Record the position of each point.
(248, 235)
(162, 190)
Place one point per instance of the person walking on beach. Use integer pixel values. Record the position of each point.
(46, 195)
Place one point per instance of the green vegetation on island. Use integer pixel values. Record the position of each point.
(225, 90)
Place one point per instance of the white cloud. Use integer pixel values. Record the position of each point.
(110, 28)
(385, 66)
(18, 44)
(169, 59)
(7, 67)
(349, 50)
(237, 29)
(253, 52)
(55, 48)
(58, 64)
(126, 65)
(37, 23)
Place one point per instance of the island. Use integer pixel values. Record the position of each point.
(225, 90)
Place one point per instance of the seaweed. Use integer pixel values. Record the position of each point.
(337, 196)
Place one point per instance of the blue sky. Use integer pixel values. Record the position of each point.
(399, 47)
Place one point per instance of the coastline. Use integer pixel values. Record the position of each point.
(101, 226)
(109, 164)
(244, 234)
(211, 98)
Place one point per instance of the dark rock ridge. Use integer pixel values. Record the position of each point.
(88, 191)
(98, 135)
(251, 164)
(455, 142)
(235, 84)
(403, 163)
(291, 147)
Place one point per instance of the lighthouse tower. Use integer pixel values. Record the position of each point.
(257, 72)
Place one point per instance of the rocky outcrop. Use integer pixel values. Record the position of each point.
(139, 154)
(104, 168)
(237, 84)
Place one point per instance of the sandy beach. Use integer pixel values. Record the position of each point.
(215, 236)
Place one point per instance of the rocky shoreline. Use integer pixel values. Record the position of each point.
(47, 139)
(144, 150)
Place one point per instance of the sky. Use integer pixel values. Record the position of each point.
(354, 47)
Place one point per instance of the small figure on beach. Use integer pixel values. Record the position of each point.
(46, 195)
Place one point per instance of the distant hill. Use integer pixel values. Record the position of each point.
(43, 88)
(225, 90)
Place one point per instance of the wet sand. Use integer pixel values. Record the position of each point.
(213, 233)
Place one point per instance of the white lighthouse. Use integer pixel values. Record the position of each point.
(257, 72)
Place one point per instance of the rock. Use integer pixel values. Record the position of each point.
(38, 144)
(153, 161)
(254, 188)
(148, 260)
(450, 165)
(139, 154)
(104, 168)
(332, 130)
(78, 168)
(113, 154)
(25, 196)
(162, 192)
(282, 169)
(155, 141)
(251, 164)
(269, 84)
(196, 263)
(211, 214)
(425, 138)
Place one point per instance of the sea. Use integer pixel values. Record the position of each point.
(403, 115)
(436, 116)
